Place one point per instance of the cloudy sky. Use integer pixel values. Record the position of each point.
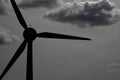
(64, 59)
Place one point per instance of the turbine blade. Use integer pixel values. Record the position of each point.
(60, 36)
(14, 58)
(18, 14)
(29, 73)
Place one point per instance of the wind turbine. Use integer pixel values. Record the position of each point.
(29, 35)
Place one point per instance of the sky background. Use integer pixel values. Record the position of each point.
(63, 59)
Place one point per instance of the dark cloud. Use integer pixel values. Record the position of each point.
(6, 37)
(2, 7)
(39, 3)
(86, 14)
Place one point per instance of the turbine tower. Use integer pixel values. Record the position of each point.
(30, 35)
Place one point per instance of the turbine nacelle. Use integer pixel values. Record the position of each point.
(29, 34)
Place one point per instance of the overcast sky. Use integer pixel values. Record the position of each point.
(63, 59)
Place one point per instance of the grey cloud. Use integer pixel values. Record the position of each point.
(85, 14)
(6, 37)
(39, 3)
(111, 67)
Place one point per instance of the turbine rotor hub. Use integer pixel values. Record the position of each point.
(29, 34)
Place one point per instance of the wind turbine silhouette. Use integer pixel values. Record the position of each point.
(29, 35)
